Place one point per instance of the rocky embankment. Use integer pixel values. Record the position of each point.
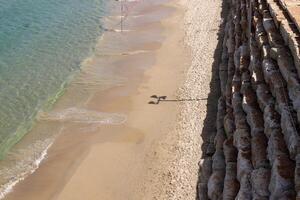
(254, 153)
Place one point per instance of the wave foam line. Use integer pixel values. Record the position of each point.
(8, 187)
(129, 53)
(79, 115)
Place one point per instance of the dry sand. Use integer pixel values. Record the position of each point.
(155, 153)
(174, 162)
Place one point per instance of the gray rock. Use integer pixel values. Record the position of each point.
(242, 139)
(281, 177)
(229, 124)
(205, 170)
(244, 164)
(218, 161)
(264, 96)
(276, 145)
(215, 185)
(297, 175)
(230, 151)
(256, 121)
(219, 139)
(271, 119)
(259, 150)
(289, 128)
(260, 179)
(245, 192)
(231, 185)
(202, 191)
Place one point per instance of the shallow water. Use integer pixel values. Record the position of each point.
(42, 44)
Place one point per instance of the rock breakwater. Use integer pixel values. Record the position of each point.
(254, 153)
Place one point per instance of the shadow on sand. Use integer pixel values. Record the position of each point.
(158, 99)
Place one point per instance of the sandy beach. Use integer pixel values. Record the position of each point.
(149, 151)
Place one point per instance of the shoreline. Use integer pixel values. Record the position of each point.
(30, 151)
(135, 134)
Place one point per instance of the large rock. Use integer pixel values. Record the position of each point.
(216, 180)
(230, 151)
(286, 64)
(230, 44)
(202, 191)
(245, 192)
(210, 148)
(272, 76)
(257, 76)
(266, 51)
(286, 195)
(276, 145)
(242, 139)
(282, 99)
(297, 175)
(274, 36)
(221, 113)
(236, 83)
(218, 160)
(282, 177)
(215, 185)
(205, 169)
(289, 128)
(254, 49)
(223, 75)
(245, 57)
(237, 100)
(260, 34)
(264, 97)
(244, 164)
(259, 150)
(229, 124)
(271, 119)
(256, 121)
(260, 179)
(219, 139)
(237, 56)
(231, 185)
(249, 99)
(240, 120)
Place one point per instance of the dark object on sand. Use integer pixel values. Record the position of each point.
(164, 98)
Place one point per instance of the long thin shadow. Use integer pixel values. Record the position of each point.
(159, 99)
(186, 99)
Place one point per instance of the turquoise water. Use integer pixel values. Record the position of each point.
(42, 43)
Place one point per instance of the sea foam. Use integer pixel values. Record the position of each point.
(80, 115)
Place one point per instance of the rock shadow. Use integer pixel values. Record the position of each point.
(209, 127)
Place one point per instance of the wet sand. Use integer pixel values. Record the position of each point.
(113, 161)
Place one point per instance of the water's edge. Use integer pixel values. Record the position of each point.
(18, 162)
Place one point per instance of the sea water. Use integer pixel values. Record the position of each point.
(42, 45)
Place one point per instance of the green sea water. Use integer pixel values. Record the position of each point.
(42, 43)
